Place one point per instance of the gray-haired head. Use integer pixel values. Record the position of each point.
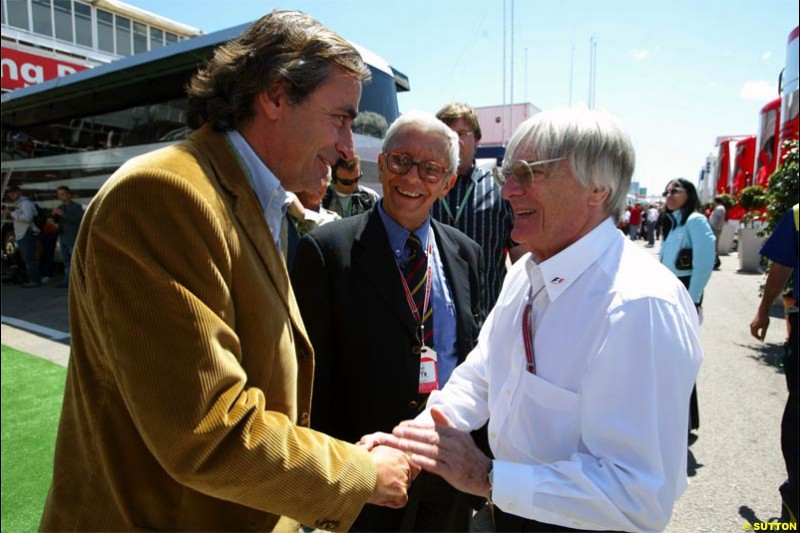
(281, 47)
(425, 122)
(599, 151)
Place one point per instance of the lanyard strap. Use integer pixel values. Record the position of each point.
(412, 305)
(527, 331)
(460, 207)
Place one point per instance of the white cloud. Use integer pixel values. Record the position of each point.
(766, 55)
(758, 91)
(640, 55)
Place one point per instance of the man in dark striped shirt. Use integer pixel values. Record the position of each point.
(474, 205)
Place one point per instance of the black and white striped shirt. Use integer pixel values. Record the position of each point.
(485, 218)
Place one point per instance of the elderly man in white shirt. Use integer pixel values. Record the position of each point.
(585, 366)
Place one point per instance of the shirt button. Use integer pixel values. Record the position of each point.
(413, 405)
(494, 435)
(416, 350)
(507, 392)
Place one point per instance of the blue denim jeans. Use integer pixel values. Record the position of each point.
(27, 248)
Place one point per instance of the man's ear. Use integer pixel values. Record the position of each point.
(380, 166)
(598, 195)
(272, 100)
(449, 182)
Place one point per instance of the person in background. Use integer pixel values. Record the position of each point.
(375, 266)
(690, 232)
(474, 204)
(717, 222)
(635, 221)
(781, 249)
(188, 392)
(25, 232)
(68, 215)
(585, 365)
(624, 222)
(345, 196)
(48, 238)
(304, 214)
(652, 219)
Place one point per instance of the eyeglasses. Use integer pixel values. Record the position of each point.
(674, 190)
(350, 182)
(522, 171)
(401, 164)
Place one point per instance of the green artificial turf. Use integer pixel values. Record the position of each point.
(32, 392)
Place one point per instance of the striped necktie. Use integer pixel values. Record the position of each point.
(416, 274)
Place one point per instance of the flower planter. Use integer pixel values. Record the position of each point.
(726, 237)
(749, 246)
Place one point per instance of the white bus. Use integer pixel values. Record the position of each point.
(77, 130)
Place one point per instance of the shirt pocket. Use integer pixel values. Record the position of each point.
(550, 421)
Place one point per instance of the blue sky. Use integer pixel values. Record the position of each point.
(677, 73)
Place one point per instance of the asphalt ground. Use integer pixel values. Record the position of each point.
(735, 462)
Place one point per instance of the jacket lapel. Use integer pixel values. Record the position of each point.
(457, 271)
(372, 256)
(247, 210)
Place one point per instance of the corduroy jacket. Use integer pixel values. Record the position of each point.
(189, 384)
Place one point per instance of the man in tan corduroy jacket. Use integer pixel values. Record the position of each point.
(188, 391)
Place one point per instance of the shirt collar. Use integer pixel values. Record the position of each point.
(474, 175)
(564, 268)
(677, 216)
(398, 235)
(268, 189)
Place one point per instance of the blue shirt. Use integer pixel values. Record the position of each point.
(486, 219)
(781, 246)
(269, 191)
(444, 310)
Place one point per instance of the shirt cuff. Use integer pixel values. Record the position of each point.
(512, 487)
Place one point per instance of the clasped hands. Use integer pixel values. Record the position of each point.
(437, 447)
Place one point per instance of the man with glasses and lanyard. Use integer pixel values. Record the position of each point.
(585, 365)
(474, 205)
(391, 301)
(345, 196)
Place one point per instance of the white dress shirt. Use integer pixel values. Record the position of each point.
(597, 438)
(23, 217)
(271, 195)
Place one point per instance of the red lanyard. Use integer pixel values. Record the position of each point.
(410, 298)
(527, 332)
(527, 336)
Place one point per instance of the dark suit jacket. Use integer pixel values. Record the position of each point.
(347, 284)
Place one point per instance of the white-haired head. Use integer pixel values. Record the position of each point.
(599, 152)
(425, 122)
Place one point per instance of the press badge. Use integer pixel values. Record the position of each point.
(428, 371)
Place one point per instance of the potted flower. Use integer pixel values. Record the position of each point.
(753, 200)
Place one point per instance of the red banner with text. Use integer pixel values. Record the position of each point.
(20, 69)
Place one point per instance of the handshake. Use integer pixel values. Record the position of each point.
(436, 447)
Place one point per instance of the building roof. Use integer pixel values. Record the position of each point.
(148, 77)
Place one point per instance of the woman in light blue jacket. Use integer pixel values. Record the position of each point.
(689, 230)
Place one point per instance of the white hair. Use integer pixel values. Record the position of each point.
(426, 122)
(599, 152)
